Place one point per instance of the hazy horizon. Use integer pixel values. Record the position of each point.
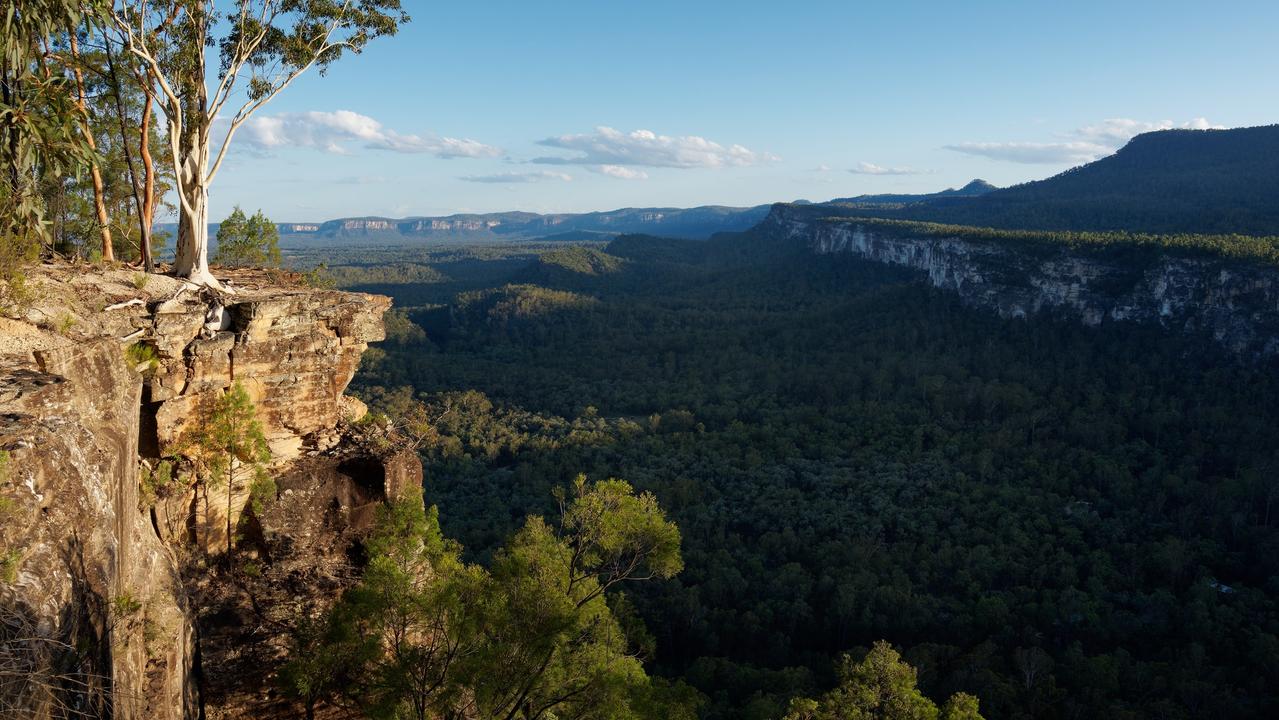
(602, 107)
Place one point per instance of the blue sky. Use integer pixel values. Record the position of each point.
(574, 106)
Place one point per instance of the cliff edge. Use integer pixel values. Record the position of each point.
(102, 376)
(1234, 301)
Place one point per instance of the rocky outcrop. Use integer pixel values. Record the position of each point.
(294, 351)
(1234, 302)
(103, 585)
(366, 225)
(301, 558)
(92, 577)
(290, 228)
(467, 224)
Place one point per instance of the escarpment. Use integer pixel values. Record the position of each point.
(105, 576)
(1233, 301)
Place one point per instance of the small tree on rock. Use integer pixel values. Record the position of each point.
(248, 241)
(230, 440)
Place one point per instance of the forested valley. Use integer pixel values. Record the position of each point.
(659, 479)
(1061, 521)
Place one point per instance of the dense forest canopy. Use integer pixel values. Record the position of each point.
(845, 495)
(1063, 522)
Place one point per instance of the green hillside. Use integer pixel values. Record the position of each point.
(1170, 181)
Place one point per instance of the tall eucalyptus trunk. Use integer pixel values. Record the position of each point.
(192, 170)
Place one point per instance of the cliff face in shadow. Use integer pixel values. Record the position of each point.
(83, 554)
(101, 588)
(1235, 302)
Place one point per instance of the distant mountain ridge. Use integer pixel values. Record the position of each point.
(696, 223)
(974, 188)
(1167, 181)
(692, 223)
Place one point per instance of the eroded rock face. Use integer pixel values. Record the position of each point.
(1234, 302)
(305, 550)
(95, 572)
(92, 573)
(294, 353)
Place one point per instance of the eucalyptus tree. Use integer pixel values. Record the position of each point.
(112, 206)
(131, 105)
(425, 635)
(100, 213)
(40, 128)
(262, 47)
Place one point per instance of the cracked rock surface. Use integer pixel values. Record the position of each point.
(90, 569)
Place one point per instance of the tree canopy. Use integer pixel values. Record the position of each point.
(880, 687)
(1061, 521)
(247, 240)
(426, 635)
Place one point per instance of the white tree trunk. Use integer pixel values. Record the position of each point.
(192, 260)
(193, 239)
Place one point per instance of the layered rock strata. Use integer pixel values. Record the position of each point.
(1234, 302)
(107, 372)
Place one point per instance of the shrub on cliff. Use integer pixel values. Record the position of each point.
(227, 443)
(10, 557)
(247, 241)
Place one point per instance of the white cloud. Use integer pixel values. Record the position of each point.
(865, 168)
(607, 146)
(332, 131)
(1034, 153)
(823, 168)
(517, 177)
(622, 172)
(1082, 145)
(1114, 132)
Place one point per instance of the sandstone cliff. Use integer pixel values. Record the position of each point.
(1234, 302)
(108, 588)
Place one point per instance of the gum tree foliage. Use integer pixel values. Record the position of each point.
(40, 125)
(880, 687)
(262, 46)
(427, 635)
(247, 241)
